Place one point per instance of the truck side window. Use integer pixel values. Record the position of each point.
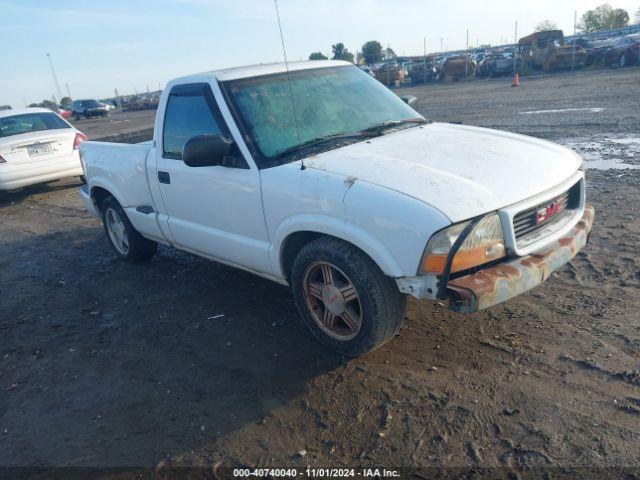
(187, 115)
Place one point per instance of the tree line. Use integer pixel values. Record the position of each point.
(603, 17)
(371, 52)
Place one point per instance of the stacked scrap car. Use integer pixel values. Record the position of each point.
(454, 68)
(625, 51)
(547, 51)
(390, 73)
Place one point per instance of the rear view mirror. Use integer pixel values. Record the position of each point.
(206, 150)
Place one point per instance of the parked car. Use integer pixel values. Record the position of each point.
(108, 106)
(64, 113)
(425, 71)
(625, 51)
(87, 109)
(367, 69)
(36, 146)
(497, 64)
(370, 203)
(595, 49)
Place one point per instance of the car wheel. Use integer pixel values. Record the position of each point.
(124, 239)
(346, 301)
(622, 61)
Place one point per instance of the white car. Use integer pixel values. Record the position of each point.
(346, 194)
(36, 146)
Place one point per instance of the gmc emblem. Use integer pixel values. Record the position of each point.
(545, 213)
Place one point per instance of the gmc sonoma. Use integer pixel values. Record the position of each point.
(319, 177)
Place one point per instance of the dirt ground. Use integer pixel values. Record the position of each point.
(108, 364)
(131, 127)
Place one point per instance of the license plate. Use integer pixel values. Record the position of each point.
(37, 150)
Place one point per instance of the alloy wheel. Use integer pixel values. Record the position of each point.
(332, 300)
(117, 231)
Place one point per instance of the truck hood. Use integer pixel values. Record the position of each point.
(462, 171)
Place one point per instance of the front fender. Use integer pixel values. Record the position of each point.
(338, 228)
(398, 224)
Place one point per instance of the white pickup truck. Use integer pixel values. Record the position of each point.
(319, 177)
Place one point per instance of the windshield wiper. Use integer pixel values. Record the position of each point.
(315, 142)
(394, 123)
(368, 132)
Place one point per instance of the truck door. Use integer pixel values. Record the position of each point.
(215, 210)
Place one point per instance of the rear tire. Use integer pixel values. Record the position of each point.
(125, 240)
(622, 61)
(353, 311)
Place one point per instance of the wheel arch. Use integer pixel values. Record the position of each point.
(100, 190)
(294, 236)
(98, 195)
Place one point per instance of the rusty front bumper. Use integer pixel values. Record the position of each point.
(509, 279)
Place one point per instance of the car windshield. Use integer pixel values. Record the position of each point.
(89, 103)
(328, 102)
(30, 122)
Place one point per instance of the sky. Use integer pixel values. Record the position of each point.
(98, 46)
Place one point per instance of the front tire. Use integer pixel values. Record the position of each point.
(346, 301)
(125, 240)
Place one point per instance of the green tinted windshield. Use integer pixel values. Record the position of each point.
(327, 101)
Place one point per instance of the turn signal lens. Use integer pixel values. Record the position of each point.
(80, 137)
(484, 244)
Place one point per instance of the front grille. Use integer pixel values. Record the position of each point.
(527, 223)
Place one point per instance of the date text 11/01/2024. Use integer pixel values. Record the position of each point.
(317, 472)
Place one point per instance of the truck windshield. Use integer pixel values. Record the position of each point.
(328, 102)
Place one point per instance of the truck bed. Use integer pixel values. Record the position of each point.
(122, 170)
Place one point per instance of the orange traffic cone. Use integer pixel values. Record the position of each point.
(516, 80)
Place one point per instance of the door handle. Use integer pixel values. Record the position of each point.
(163, 177)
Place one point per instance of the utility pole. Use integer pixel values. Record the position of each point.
(55, 79)
(68, 91)
(573, 53)
(424, 46)
(466, 59)
(515, 52)
(118, 100)
(441, 42)
(388, 67)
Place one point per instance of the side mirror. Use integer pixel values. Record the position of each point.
(409, 99)
(206, 150)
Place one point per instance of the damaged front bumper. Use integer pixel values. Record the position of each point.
(506, 280)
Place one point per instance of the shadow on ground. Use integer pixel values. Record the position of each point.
(174, 354)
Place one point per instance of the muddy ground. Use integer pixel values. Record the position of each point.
(108, 364)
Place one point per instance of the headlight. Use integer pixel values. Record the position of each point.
(484, 244)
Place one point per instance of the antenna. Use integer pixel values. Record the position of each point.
(286, 66)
